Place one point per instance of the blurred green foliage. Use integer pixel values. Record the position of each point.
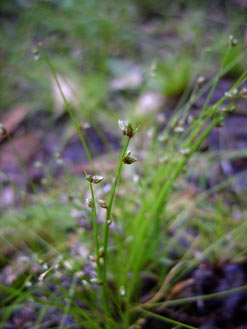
(83, 32)
(173, 74)
(83, 36)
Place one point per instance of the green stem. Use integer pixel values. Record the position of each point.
(67, 106)
(168, 320)
(135, 259)
(95, 231)
(182, 301)
(96, 242)
(215, 83)
(108, 213)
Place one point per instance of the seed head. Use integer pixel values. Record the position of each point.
(122, 291)
(122, 126)
(42, 276)
(233, 95)
(163, 138)
(229, 109)
(128, 159)
(38, 164)
(85, 283)
(97, 281)
(89, 202)
(164, 159)
(28, 284)
(3, 130)
(141, 321)
(126, 128)
(79, 274)
(190, 119)
(93, 259)
(44, 181)
(67, 264)
(102, 204)
(101, 251)
(185, 152)
(243, 92)
(179, 129)
(94, 179)
(109, 222)
(129, 130)
(36, 54)
(58, 157)
(200, 81)
(232, 41)
(85, 125)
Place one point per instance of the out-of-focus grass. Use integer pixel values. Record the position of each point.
(154, 208)
(79, 34)
(81, 37)
(147, 215)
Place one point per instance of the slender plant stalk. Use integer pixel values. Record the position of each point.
(217, 78)
(96, 243)
(182, 301)
(108, 214)
(67, 106)
(165, 319)
(95, 231)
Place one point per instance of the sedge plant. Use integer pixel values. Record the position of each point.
(128, 244)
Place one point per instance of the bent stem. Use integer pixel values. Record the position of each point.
(67, 106)
(108, 214)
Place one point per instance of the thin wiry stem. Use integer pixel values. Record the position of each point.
(168, 320)
(108, 214)
(96, 243)
(95, 230)
(67, 106)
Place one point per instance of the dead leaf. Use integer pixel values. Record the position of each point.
(26, 145)
(181, 286)
(13, 118)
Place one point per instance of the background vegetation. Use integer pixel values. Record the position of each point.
(173, 236)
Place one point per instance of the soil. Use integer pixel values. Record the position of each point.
(223, 312)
